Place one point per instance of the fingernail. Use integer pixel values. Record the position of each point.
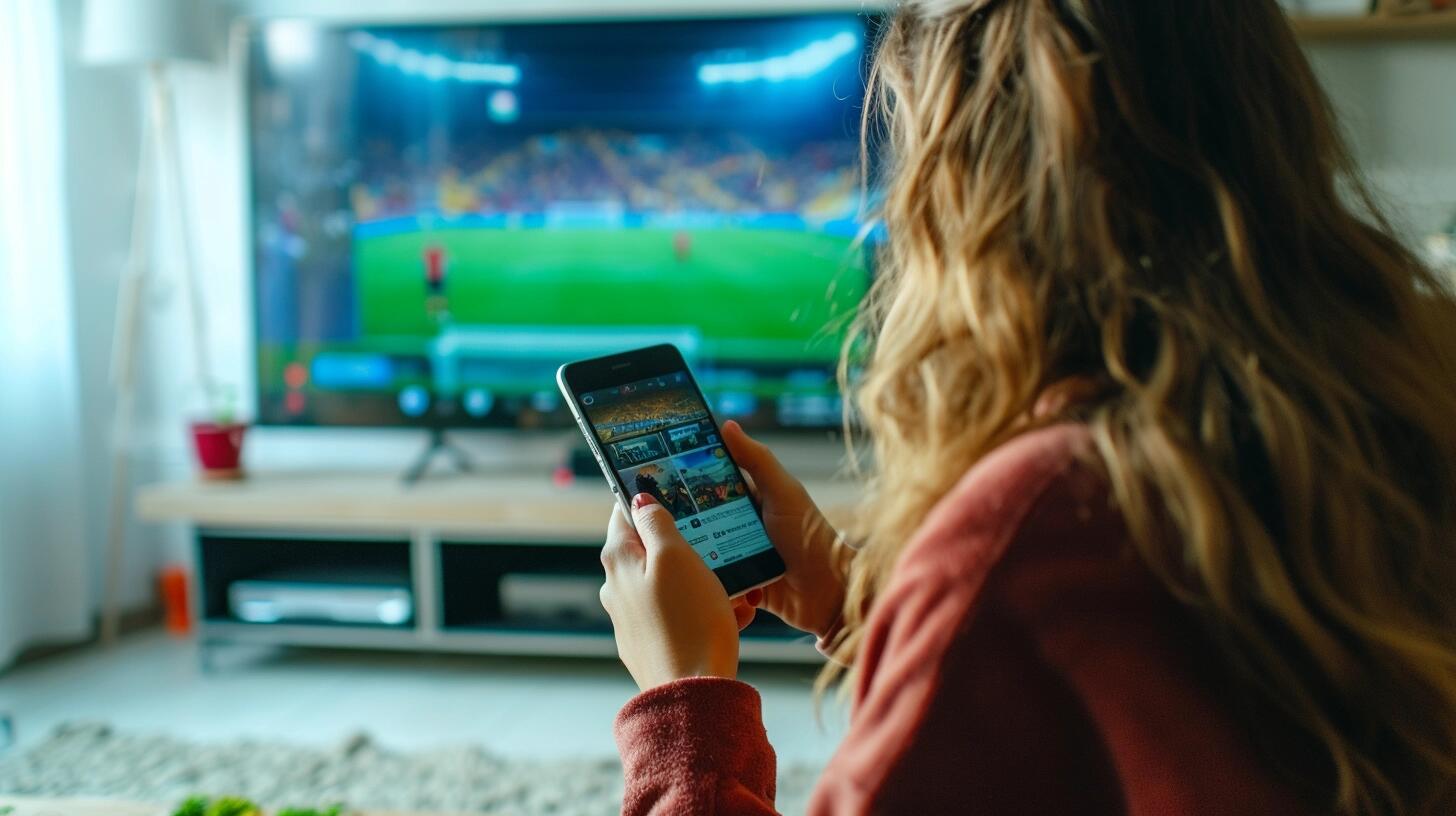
(642, 500)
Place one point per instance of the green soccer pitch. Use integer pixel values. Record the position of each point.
(768, 295)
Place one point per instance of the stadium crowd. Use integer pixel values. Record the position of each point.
(645, 174)
(646, 412)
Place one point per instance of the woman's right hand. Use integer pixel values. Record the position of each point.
(811, 594)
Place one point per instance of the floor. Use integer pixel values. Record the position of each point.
(523, 707)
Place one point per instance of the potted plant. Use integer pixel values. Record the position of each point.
(218, 441)
(238, 806)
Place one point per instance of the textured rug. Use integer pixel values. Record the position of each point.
(95, 760)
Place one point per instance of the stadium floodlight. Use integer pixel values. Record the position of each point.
(411, 62)
(387, 51)
(436, 67)
(798, 64)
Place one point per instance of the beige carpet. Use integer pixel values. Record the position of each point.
(96, 761)
(36, 806)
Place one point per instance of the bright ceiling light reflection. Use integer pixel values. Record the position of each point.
(804, 62)
(290, 44)
(434, 67)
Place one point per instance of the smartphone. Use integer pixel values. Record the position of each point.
(651, 431)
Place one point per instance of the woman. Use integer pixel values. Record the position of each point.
(1164, 435)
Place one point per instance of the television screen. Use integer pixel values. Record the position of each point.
(443, 215)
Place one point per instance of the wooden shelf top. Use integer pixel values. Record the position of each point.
(528, 507)
(1374, 27)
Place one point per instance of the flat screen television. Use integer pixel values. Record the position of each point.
(443, 214)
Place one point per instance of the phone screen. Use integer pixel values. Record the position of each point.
(659, 438)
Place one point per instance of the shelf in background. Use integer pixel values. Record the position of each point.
(1376, 27)
(484, 640)
(765, 628)
(307, 634)
(513, 641)
(455, 539)
(485, 506)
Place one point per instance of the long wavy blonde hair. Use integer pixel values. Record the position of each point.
(1154, 197)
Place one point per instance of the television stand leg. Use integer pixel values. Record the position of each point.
(438, 444)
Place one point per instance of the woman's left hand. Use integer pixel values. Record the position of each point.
(672, 618)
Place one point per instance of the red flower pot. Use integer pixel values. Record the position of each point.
(219, 449)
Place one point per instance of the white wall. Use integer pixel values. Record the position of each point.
(1398, 104)
(1396, 97)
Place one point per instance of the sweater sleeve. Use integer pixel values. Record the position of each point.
(696, 746)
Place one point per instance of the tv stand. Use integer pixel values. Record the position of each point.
(437, 445)
(454, 543)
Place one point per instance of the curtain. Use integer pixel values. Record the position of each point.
(43, 581)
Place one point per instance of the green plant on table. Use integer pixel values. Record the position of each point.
(223, 404)
(238, 806)
(221, 806)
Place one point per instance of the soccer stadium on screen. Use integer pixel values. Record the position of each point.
(443, 215)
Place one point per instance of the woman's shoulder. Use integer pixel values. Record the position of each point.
(1047, 478)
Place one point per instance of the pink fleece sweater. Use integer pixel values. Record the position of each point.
(1021, 660)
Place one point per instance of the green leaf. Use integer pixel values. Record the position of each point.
(336, 810)
(233, 806)
(237, 806)
(194, 806)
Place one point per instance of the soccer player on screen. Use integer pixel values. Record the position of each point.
(436, 303)
(682, 246)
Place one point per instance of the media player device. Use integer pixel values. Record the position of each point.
(278, 601)
(328, 596)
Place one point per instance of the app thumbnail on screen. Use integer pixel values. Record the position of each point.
(661, 481)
